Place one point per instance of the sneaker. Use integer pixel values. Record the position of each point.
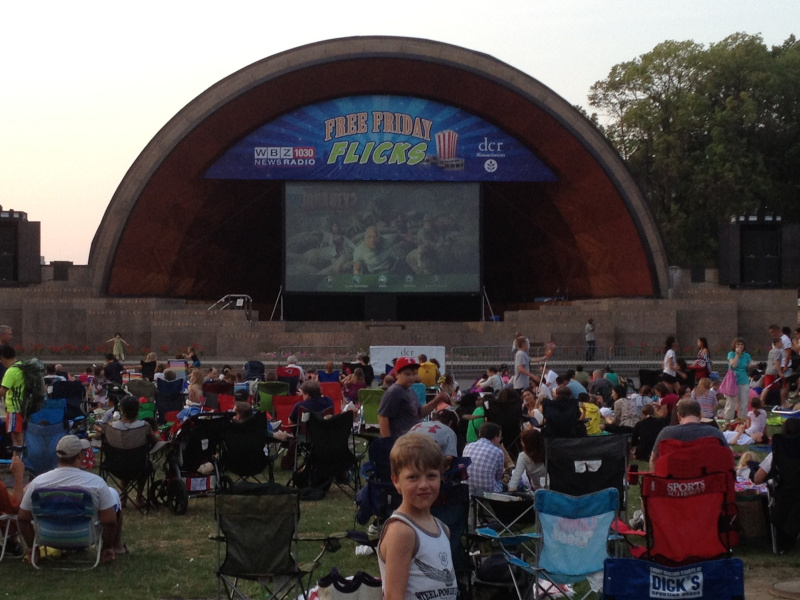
(372, 529)
(637, 522)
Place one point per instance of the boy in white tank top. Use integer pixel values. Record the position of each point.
(414, 550)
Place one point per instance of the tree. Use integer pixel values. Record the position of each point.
(709, 133)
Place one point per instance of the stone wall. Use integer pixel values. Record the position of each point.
(61, 313)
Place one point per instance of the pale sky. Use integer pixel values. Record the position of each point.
(86, 85)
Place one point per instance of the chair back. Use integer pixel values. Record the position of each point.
(242, 447)
(290, 375)
(254, 370)
(283, 407)
(333, 390)
(574, 532)
(53, 411)
(65, 518)
(226, 402)
(169, 388)
(370, 400)
(142, 388)
(578, 466)
(40, 443)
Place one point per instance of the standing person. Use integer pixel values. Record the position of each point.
(113, 369)
(117, 350)
(148, 366)
(786, 360)
(738, 360)
(12, 390)
(399, 409)
(414, 553)
(6, 337)
(702, 364)
(522, 365)
(774, 373)
(590, 340)
(669, 374)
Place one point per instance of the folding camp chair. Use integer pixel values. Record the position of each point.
(254, 370)
(283, 408)
(242, 451)
(578, 466)
(562, 419)
(65, 519)
(509, 416)
(169, 397)
(330, 456)
(291, 376)
(632, 579)
(333, 390)
(6, 522)
(125, 462)
(370, 401)
(378, 498)
(784, 492)
(75, 395)
(40, 446)
(246, 517)
(690, 496)
(142, 388)
(212, 390)
(571, 543)
(266, 391)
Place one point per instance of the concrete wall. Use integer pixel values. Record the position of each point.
(61, 313)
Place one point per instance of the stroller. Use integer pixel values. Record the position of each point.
(190, 468)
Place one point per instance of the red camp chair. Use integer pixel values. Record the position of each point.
(290, 375)
(283, 408)
(333, 390)
(689, 503)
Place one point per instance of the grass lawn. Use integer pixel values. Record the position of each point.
(172, 557)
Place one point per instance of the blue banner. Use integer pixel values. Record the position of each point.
(380, 138)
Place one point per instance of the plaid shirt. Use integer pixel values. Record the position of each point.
(486, 471)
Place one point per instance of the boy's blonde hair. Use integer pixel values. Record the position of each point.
(747, 457)
(415, 450)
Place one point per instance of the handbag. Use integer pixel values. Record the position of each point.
(729, 387)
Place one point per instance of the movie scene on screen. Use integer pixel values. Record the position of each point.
(382, 237)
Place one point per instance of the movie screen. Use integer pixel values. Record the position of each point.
(382, 237)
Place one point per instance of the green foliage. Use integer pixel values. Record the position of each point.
(709, 133)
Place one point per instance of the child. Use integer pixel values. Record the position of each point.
(744, 468)
(414, 550)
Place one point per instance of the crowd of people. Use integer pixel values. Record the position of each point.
(499, 422)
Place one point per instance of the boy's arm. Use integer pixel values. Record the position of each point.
(397, 549)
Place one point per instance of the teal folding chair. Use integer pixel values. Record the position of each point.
(65, 519)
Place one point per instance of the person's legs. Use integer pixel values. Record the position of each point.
(744, 399)
(730, 407)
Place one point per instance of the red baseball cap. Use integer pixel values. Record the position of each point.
(405, 362)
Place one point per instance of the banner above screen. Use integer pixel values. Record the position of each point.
(379, 138)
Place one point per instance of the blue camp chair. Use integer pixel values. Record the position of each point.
(65, 519)
(571, 543)
(40, 446)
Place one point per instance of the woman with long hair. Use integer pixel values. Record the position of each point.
(702, 364)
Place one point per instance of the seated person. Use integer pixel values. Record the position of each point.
(329, 375)
(129, 419)
(752, 431)
(488, 459)
(689, 428)
(646, 431)
(492, 382)
(442, 428)
(530, 461)
(9, 503)
(590, 413)
(243, 411)
(313, 401)
(69, 474)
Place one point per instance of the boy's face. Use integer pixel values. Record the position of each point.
(417, 487)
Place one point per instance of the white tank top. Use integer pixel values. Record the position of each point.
(431, 573)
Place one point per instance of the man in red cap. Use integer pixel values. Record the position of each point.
(400, 409)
